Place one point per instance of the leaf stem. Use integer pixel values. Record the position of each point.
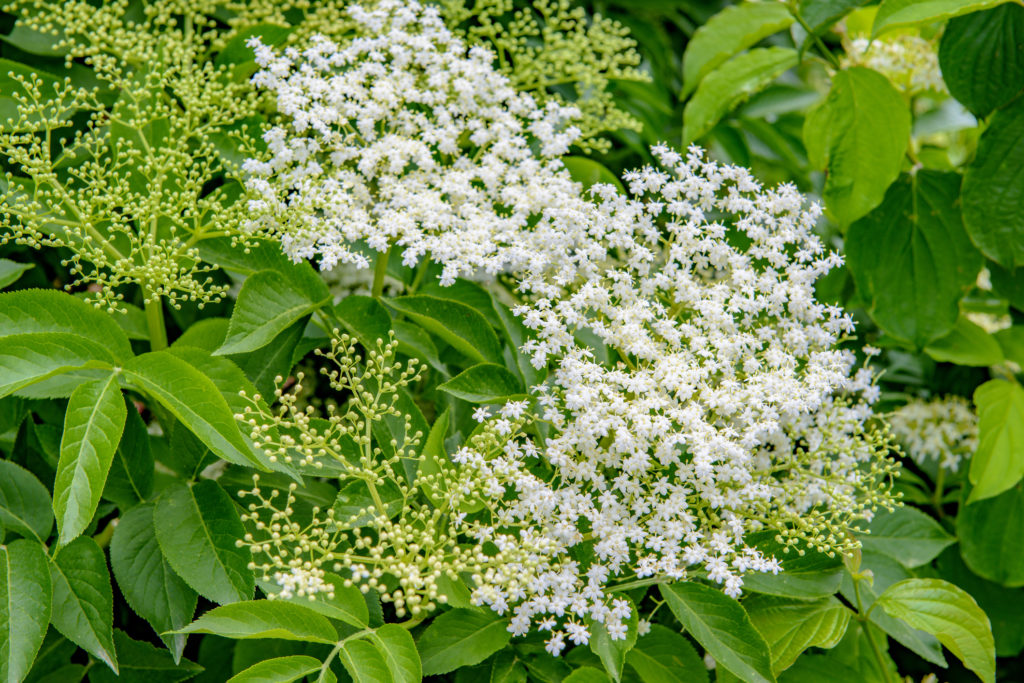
(380, 271)
(817, 39)
(155, 324)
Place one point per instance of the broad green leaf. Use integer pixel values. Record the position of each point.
(278, 670)
(364, 662)
(365, 318)
(41, 310)
(267, 305)
(730, 31)
(461, 638)
(454, 322)
(237, 49)
(506, 667)
(10, 271)
(464, 292)
(982, 58)
(664, 656)
(998, 465)
(141, 662)
(265, 619)
(585, 674)
(347, 605)
(484, 383)
(146, 579)
(951, 615)
(261, 254)
(992, 191)
(196, 528)
(398, 650)
(130, 480)
(722, 627)
(26, 359)
(989, 530)
(791, 626)
(1008, 283)
(194, 400)
(732, 83)
(83, 601)
(907, 535)
(1011, 340)
(893, 14)
(93, 425)
(911, 257)
(858, 134)
(588, 172)
(517, 335)
(820, 14)
(24, 606)
(414, 341)
(355, 498)
(886, 572)
(273, 360)
(966, 344)
(24, 503)
(1002, 605)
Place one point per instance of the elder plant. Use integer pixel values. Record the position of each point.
(475, 363)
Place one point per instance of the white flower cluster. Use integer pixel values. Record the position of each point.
(402, 137)
(944, 429)
(909, 61)
(710, 402)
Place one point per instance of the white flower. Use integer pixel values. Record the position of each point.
(944, 429)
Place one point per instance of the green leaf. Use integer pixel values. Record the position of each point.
(998, 465)
(588, 172)
(365, 318)
(808, 576)
(196, 528)
(993, 191)
(858, 134)
(460, 638)
(24, 606)
(399, 652)
(1011, 341)
(951, 615)
(517, 335)
(278, 670)
(893, 14)
(484, 383)
(237, 49)
(506, 667)
(24, 503)
(130, 480)
(820, 14)
(10, 271)
(355, 498)
(586, 674)
(664, 656)
(347, 605)
(907, 535)
(613, 652)
(722, 627)
(146, 579)
(989, 532)
(194, 400)
(911, 257)
(966, 344)
(26, 359)
(141, 662)
(982, 58)
(267, 305)
(265, 619)
(791, 626)
(454, 322)
(83, 601)
(93, 425)
(430, 476)
(730, 31)
(1002, 605)
(363, 661)
(42, 310)
(732, 83)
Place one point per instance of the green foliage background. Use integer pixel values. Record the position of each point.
(121, 455)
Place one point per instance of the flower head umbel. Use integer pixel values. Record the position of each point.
(942, 429)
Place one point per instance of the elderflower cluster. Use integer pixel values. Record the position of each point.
(943, 429)
(909, 61)
(404, 138)
(697, 397)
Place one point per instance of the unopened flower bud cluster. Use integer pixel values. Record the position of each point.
(910, 62)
